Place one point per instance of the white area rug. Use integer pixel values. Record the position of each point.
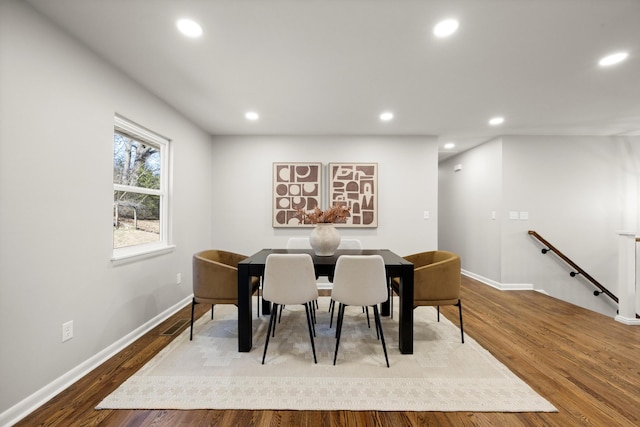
(209, 373)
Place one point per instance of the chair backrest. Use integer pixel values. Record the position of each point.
(289, 279)
(360, 280)
(215, 275)
(298, 243)
(350, 244)
(436, 276)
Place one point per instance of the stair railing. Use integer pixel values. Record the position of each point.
(578, 270)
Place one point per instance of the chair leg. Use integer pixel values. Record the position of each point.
(193, 306)
(459, 304)
(377, 333)
(337, 318)
(338, 330)
(307, 309)
(274, 309)
(271, 324)
(211, 311)
(314, 305)
(366, 309)
(258, 296)
(390, 297)
(376, 313)
(312, 313)
(438, 313)
(332, 306)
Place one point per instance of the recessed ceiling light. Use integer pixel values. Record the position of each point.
(445, 28)
(189, 28)
(613, 59)
(251, 115)
(449, 145)
(386, 116)
(496, 121)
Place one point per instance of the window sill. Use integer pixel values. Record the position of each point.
(127, 255)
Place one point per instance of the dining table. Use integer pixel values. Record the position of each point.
(395, 267)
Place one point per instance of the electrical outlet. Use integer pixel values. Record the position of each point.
(425, 215)
(178, 278)
(67, 331)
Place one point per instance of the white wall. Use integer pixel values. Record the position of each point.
(467, 200)
(578, 192)
(407, 181)
(56, 111)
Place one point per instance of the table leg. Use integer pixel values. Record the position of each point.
(266, 307)
(405, 329)
(385, 307)
(245, 329)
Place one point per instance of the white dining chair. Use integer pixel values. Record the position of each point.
(290, 279)
(346, 244)
(359, 280)
(300, 243)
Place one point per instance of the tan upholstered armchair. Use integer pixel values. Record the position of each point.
(215, 279)
(436, 280)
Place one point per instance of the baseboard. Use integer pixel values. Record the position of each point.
(628, 321)
(46, 393)
(498, 285)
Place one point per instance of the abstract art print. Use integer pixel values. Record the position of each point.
(295, 186)
(355, 185)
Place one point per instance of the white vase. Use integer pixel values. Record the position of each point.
(324, 239)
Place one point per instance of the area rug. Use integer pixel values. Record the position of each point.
(441, 375)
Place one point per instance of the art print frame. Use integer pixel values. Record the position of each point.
(295, 185)
(355, 185)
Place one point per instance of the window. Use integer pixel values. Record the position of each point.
(140, 199)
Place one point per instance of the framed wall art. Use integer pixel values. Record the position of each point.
(355, 185)
(295, 185)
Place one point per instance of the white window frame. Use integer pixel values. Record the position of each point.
(139, 133)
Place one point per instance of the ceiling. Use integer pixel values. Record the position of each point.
(330, 67)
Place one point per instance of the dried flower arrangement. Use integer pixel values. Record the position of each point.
(334, 214)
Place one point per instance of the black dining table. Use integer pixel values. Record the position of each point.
(395, 266)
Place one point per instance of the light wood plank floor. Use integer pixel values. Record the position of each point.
(585, 364)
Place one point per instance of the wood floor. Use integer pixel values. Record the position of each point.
(585, 364)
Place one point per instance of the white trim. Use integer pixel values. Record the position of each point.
(46, 393)
(527, 287)
(498, 285)
(135, 130)
(627, 321)
(139, 252)
(134, 189)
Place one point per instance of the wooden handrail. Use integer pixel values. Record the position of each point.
(575, 267)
